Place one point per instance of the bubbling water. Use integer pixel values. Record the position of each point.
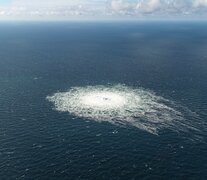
(123, 106)
(104, 100)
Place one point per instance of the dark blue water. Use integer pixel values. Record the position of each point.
(39, 59)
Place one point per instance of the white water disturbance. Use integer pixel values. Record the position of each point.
(121, 105)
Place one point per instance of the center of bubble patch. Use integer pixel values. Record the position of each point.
(123, 106)
(103, 100)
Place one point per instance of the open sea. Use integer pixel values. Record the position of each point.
(40, 141)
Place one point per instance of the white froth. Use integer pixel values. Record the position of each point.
(120, 105)
(103, 100)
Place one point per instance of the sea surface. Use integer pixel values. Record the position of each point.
(38, 59)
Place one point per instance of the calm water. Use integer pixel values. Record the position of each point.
(39, 59)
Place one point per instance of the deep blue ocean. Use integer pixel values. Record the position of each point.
(38, 59)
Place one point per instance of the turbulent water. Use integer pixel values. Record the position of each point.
(122, 105)
(109, 100)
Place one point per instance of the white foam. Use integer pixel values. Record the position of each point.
(120, 105)
(103, 100)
